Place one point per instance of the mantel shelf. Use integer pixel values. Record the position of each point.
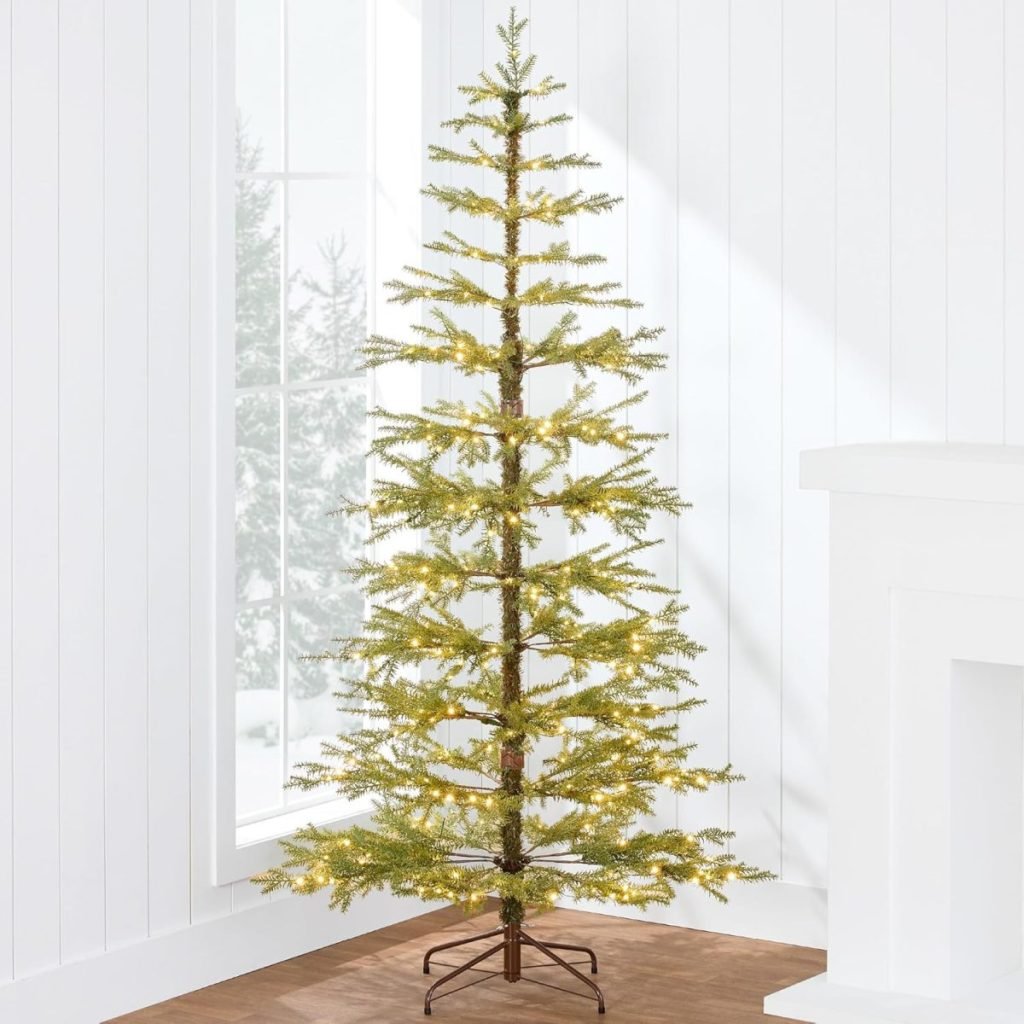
(954, 472)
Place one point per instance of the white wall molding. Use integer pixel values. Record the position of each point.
(98, 988)
(94, 989)
(771, 912)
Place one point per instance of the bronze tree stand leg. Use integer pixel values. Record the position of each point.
(458, 942)
(511, 945)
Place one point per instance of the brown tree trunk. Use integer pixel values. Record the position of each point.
(511, 394)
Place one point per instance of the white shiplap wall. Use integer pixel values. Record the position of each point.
(824, 204)
(107, 124)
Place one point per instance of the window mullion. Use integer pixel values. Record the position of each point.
(285, 269)
(302, 385)
(298, 595)
(299, 175)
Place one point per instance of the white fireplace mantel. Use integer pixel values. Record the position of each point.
(926, 737)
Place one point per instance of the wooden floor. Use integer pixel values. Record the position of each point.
(651, 974)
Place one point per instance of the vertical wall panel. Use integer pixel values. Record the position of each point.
(703, 369)
(918, 220)
(488, 52)
(862, 220)
(472, 29)
(603, 132)
(245, 895)
(1013, 327)
(808, 421)
(6, 551)
(440, 104)
(437, 107)
(554, 31)
(603, 76)
(34, 414)
(755, 425)
(207, 899)
(474, 44)
(81, 477)
(975, 209)
(125, 471)
(168, 459)
(653, 251)
(551, 25)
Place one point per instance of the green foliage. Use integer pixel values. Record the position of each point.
(460, 821)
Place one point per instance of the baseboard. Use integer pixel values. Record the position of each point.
(122, 980)
(999, 1002)
(773, 911)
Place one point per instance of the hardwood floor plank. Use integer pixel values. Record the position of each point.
(651, 974)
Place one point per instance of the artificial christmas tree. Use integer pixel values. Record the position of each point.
(464, 820)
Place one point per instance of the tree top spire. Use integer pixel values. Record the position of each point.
(515, 71)
(510, 85)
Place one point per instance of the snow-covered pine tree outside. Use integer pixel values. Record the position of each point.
(326, 328)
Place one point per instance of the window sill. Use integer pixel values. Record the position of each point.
(256, 845)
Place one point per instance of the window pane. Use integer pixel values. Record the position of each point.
(315, 713)
(326, 466)
(258, 709)
(257, 282)
(300, 396)
(327, 85)
(257, 496)
(258, 84)
(326, 285)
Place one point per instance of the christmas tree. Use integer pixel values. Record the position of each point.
(464, 821)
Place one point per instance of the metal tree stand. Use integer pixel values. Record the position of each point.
(513, 939)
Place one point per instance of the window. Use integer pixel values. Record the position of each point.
(301, 238)
(310, 198)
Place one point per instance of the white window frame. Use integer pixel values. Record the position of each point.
(395, 157)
